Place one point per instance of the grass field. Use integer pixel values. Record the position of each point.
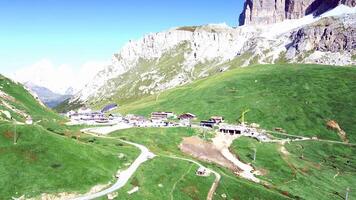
(25, 101)
(311, 170)
(48, 156)
(51, 158)
(44, 162)
(165, 178)
(165, 142)
(297, 98)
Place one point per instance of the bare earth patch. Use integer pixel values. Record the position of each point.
(206, 151)
(335, 126)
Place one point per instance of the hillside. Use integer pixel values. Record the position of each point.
(44, 162)
(164, 60)
(47, 157)
(20, 103)
(307, 170)
(298, 98)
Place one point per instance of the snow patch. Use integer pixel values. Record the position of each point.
(340, 10)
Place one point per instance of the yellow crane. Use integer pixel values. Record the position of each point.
(242, 116)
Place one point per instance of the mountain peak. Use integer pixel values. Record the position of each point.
(257, 12)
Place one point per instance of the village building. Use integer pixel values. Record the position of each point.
(243, 130)
(217, 119)
(262, 137)
(208, 123)
(189, 116)
(159, 116)
(29, 121)
(186, 119)
(87, 116)
(136, 120)
(70, 113)
(202, 171)
(97, 116)
(115, 117)
(159, 119)
(109, 108)
(158, 123)
(232, 129)
(84, 110)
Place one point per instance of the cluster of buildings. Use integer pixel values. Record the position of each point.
(244, 130)
(165, 119)
(160, 119)
(87, 116)
(213, 121)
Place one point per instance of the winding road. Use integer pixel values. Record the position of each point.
(124, 175)
(143, 157)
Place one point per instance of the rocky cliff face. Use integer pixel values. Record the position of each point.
(164, 60)
(257, 12)
(326, 35)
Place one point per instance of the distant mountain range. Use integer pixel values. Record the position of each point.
(48, 97)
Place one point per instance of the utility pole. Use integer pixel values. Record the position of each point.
(157, 97)
(242, 117)
(254, 155)
(15, 136)
(347, 193)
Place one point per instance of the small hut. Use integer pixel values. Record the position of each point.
(29, 121)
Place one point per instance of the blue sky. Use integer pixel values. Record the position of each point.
(74, 32)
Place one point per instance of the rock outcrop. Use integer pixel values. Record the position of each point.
(186, 46)
(257, 12)
(327, 35)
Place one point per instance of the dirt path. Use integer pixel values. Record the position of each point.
(301, 138)
(217, 176)
(175, 184)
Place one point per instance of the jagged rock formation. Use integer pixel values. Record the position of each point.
(164, 60)
(326, 35)
(257, 12)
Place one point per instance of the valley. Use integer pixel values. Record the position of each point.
(264, 111)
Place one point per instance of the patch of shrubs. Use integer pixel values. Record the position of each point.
(56, 165)
(92, 140)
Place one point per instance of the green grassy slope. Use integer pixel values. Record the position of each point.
(311, 170)
(298, 98)
(44, 162)
(24, 101)
(47, 157)
(163, 178)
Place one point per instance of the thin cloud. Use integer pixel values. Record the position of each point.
(58, 78)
